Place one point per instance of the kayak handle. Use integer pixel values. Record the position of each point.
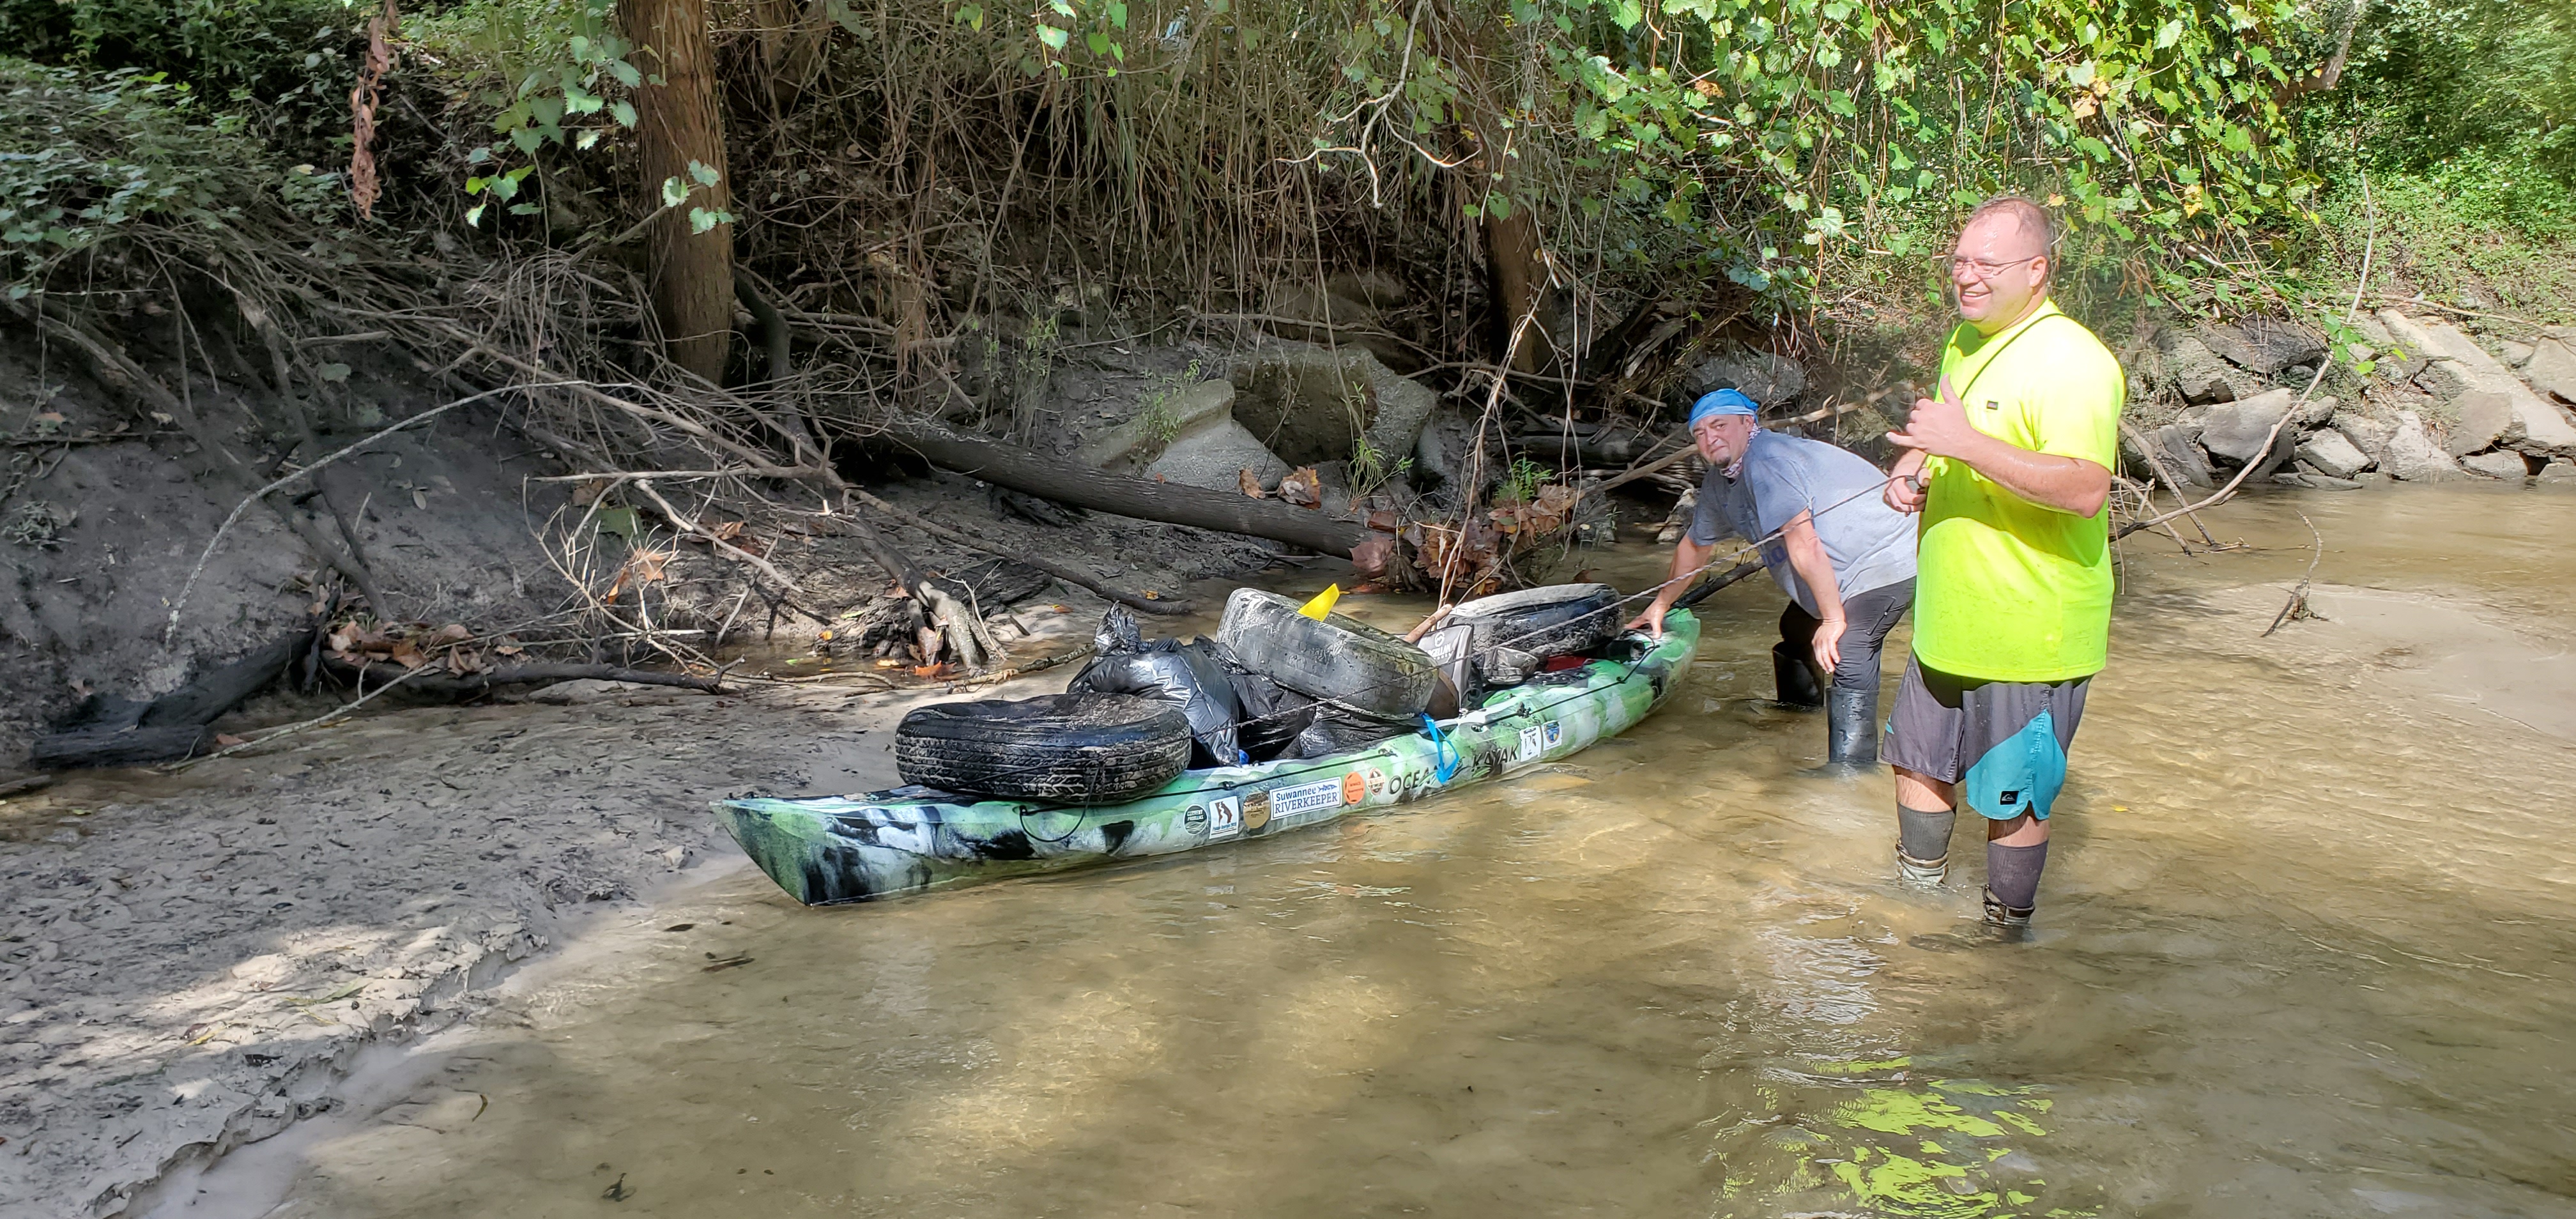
(1444, 756)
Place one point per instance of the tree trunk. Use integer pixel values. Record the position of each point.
(1071, 482)
(1517, 265)
(677, 124)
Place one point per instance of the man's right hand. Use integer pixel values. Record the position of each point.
(1905, 490)
(1652, 620)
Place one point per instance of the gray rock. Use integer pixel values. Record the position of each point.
(2265, 345)
(2316, 411)
(2504, 465)
(1767, 377)
(2366, 434)
(2558, 472)
(2238, 431)
(1163, 419)
(2333, 454)
(2552, 368)
(2483, 416)
(2199, 375)
(1311, 404)
(2183, 459)
(2413, 456)
(2316, 482)
(2461, 366)
(1215, 457)
(1442, 451)
(2514, 354)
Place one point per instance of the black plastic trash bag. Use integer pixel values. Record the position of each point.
(1334, 728)
(1272, 716)
(1194, 677)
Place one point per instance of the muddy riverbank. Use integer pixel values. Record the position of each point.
(2272, 977)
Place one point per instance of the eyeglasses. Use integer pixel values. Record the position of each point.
(1949, 264)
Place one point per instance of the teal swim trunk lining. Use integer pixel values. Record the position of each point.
(2004, 743)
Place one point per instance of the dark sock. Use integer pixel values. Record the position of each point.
(1924, 834)
(2012, 873)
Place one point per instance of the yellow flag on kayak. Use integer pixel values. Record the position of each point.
(1323, 602)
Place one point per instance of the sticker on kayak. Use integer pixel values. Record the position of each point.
(1555, 735)
(1256, 811)
(1224, 818)
(1306, 798)
(1533, 743)
(1354, 787)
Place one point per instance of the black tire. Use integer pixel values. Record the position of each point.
(1518, 631)
(1059, 748)
(1339, 660)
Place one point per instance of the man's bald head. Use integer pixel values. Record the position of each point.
(2036, 224)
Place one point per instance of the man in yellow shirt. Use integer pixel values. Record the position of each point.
(2010, 468)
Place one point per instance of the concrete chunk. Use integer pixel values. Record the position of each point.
(2333, 454)
(2413, 456)
(2552, 369)
(2238, 430)
(2505, 465)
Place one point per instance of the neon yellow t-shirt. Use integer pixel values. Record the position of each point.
(2007, 590)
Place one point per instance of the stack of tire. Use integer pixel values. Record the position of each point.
(1347, 682)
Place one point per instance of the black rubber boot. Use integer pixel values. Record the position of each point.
(1851, 727)
(1794, 676)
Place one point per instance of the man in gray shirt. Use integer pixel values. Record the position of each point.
(1845, 558)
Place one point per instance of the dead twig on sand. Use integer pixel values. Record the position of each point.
(338, 712)
(1062, 571)
(2297, 606)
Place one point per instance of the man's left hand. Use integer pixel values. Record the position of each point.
(1938, 426)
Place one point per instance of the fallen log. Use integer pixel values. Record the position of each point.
(114, 731)
(1071, 482)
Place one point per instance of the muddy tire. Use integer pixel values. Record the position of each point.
(1060, 748)
(1516, 632)
(1338, 660)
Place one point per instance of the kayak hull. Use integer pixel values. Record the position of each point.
(837, 849)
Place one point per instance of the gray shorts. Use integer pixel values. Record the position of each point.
(2003, 742)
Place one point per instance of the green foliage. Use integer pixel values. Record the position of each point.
(2431, 82)
(87, 157)
(272, 49)
(548, 72)
(1521, 483)
(1749, 138)
(1370, 471)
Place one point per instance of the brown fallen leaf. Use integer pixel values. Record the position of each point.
(1251, 484)
(1303, 487)
(228, 740)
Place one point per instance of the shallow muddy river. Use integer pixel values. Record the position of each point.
(2303, 949)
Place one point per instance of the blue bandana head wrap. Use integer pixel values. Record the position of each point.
(1721, 402)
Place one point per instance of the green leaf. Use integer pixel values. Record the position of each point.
(705, 174)
(674, 192)
(1053, 38)
(623, 112)
(336, 373)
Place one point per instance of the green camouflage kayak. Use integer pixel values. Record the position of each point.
(838, 849)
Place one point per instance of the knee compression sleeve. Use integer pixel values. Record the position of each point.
(2012, 874)
(1924, 834)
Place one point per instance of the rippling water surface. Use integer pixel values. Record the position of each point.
(2304, 949)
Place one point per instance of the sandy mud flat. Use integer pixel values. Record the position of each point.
(194, 962)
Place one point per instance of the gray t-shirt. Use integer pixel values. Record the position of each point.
(1871, 545)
